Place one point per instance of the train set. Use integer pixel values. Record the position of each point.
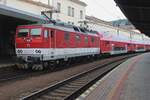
(39, 46)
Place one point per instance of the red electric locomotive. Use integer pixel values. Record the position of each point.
(37, 46)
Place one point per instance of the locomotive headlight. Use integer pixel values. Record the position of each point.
(38, 51)
(19, 51)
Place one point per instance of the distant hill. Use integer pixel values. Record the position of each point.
(121, 22)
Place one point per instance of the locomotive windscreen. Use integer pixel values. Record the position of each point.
(36, 32)
(23, 32)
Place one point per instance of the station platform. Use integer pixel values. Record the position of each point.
(129, 81)
(7, 62)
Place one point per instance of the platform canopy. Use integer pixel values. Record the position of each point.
(138, 12)
(12, 12)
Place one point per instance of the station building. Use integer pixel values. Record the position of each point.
(19, 12)
(100, 25)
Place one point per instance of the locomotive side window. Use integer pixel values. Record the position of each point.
(23, 32)
(67, 36)
(78, 38)
(46, 34)
(86, 39)
(52, 34)
(92, 39)
(36, 32)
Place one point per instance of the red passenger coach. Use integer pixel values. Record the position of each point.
(40, 45)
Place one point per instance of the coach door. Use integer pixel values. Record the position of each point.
(53, 38)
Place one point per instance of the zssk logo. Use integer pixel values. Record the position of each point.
(28, 45)
(28, 39)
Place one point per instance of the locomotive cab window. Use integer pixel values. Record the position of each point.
(23, 32)
(36, 32)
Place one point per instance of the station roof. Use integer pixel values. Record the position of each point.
(79, 2)
(12, 12)
(138, 12)
(38, 3)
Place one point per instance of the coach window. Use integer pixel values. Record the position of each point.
(46, 34)
(67, 36)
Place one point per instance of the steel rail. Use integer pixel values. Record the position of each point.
(72, 87)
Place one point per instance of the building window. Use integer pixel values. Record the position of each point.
(59, 7)
(47, 2)
(81, 14)
(69, 22)
(72, 12)
(69, 11)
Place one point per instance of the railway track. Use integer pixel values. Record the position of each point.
(71, 88)
(12, 73)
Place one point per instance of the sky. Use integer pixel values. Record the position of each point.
(103, 9)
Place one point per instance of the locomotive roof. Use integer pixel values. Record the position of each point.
(73, 27)
(66, 27)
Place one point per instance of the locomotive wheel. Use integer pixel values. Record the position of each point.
(52, 65)
(45, 65)
(68, 63)
(37, 67)
(62, 63)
